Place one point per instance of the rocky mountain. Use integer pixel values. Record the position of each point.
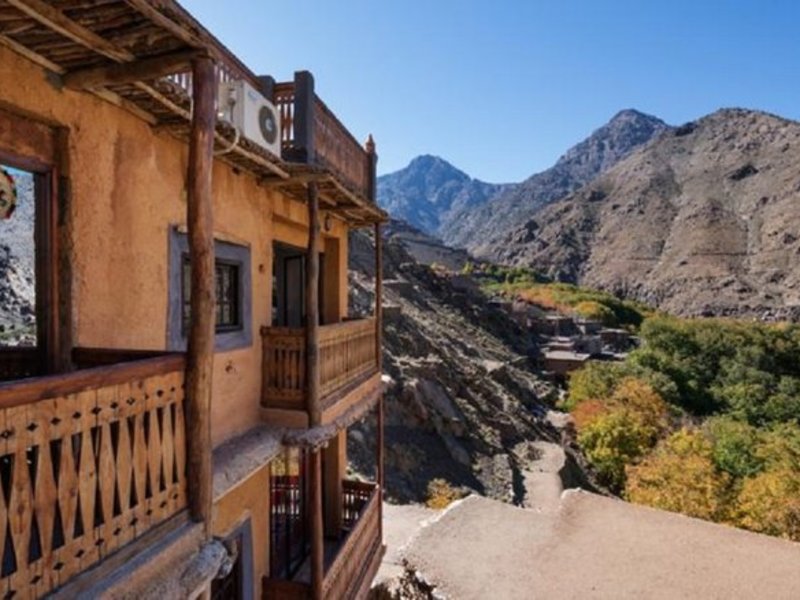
(463, 400)
(17, 294)
(479, 227)
(429, 190)
(705, 220)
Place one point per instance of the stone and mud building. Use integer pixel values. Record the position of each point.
(179, 427)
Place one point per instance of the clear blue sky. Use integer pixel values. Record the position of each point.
(502, 88)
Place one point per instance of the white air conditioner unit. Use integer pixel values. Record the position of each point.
(251, 113)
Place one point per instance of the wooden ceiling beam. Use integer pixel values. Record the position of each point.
(140, 70)
(57, 21)
(146, 8)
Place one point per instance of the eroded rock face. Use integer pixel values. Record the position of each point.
(703, 221)
(460, 391)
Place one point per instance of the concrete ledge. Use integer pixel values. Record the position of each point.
(235, 460)
(170, 563)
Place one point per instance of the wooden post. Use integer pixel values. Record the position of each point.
(304, 101)
(378, 345)
(200, 352)
(372, 164)
(312, 308)
(317, 548)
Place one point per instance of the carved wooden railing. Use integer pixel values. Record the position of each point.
(330, 146)
(346, 574)
(346, 354)
(18, 363)
(89, 461)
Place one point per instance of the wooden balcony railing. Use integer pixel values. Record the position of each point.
(357, 556)
(355, 495)
(346, 354)
(346, 574)
(89, 461)
(311, 133)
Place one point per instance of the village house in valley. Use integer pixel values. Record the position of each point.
(179, 429)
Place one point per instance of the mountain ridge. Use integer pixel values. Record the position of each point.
(711, 215)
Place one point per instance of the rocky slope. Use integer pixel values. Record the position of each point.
(462, 400)
(17, 294)
(479, 228)
(705, 220)
(425, 248)
(429, 190)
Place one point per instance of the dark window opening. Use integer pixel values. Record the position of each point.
(230, 586)
(227, 280)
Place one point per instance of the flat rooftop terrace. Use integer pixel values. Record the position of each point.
(596, 547)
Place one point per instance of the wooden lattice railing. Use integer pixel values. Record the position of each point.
(89, 461)
(346, 354)
(345, 575)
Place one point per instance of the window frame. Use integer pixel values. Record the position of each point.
(226, 337)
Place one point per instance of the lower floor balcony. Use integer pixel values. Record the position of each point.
(350, 560)
(89, 461)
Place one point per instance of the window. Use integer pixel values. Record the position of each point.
(232, 292)
(228, 298)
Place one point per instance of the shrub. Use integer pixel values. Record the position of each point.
(441, 494)
(591, 309)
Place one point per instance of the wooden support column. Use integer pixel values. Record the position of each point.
(317, 541)
(312, 308)
(312, 388)
(200, 353)
(379, 350)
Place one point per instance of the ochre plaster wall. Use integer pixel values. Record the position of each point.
(248, 500)
(127, 190)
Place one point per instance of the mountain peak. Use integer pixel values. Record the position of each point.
(428, 189)
(631, 114)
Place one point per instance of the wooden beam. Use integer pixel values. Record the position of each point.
(54, 19)
(140, 70)
(312, 309)
(147, 9)
(200, 354)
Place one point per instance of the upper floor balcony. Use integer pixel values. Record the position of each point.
(312, 134)
(348, 366)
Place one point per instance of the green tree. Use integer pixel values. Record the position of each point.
(734, 446)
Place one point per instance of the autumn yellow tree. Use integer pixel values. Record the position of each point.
(680, 476)
(770, 503)
(617, 431)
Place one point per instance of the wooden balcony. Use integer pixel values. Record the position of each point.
(89, 462)
(312, 134)
(347, 356)
(350, 563)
